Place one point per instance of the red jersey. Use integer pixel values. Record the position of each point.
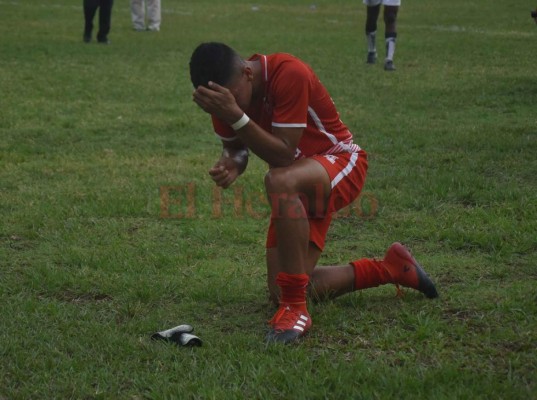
(295, 98)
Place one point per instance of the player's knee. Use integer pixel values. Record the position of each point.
(280, 180)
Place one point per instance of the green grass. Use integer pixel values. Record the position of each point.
(89, 268)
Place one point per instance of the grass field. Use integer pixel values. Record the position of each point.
(91, 264)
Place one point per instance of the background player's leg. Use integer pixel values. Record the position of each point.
(153, 15)
(105, 18)
(90, 8)
(371, 32)
(390, 35)
(138, 15)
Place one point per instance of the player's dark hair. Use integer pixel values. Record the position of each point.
(214, 62)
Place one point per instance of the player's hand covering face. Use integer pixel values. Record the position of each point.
(226, 103)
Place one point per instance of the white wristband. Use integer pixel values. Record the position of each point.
(241, 122)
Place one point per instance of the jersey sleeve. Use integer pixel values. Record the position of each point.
(291, 88)
(223, 130)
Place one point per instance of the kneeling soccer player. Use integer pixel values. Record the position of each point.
(276, 107)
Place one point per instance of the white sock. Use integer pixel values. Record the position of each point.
(390, 48)
(371, 47)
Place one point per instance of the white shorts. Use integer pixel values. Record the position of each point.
(385, 2)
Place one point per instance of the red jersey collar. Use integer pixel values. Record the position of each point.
(264, 65)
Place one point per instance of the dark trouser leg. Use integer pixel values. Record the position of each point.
(90, 7)
(105, 16)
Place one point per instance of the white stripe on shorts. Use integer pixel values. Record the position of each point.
(345, 171)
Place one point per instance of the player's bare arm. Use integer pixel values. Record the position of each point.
(277, 148)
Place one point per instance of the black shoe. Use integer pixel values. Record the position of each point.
(86, 37)
(388, 65)
(103, 41)
(371, 57)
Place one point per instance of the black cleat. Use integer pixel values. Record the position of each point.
(388, 65)
(371, 57)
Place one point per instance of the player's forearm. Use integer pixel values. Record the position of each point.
(269, 148)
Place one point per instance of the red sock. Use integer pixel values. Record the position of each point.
(293, 288)
(369, 273)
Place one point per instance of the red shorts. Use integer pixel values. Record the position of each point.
(347, 173)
